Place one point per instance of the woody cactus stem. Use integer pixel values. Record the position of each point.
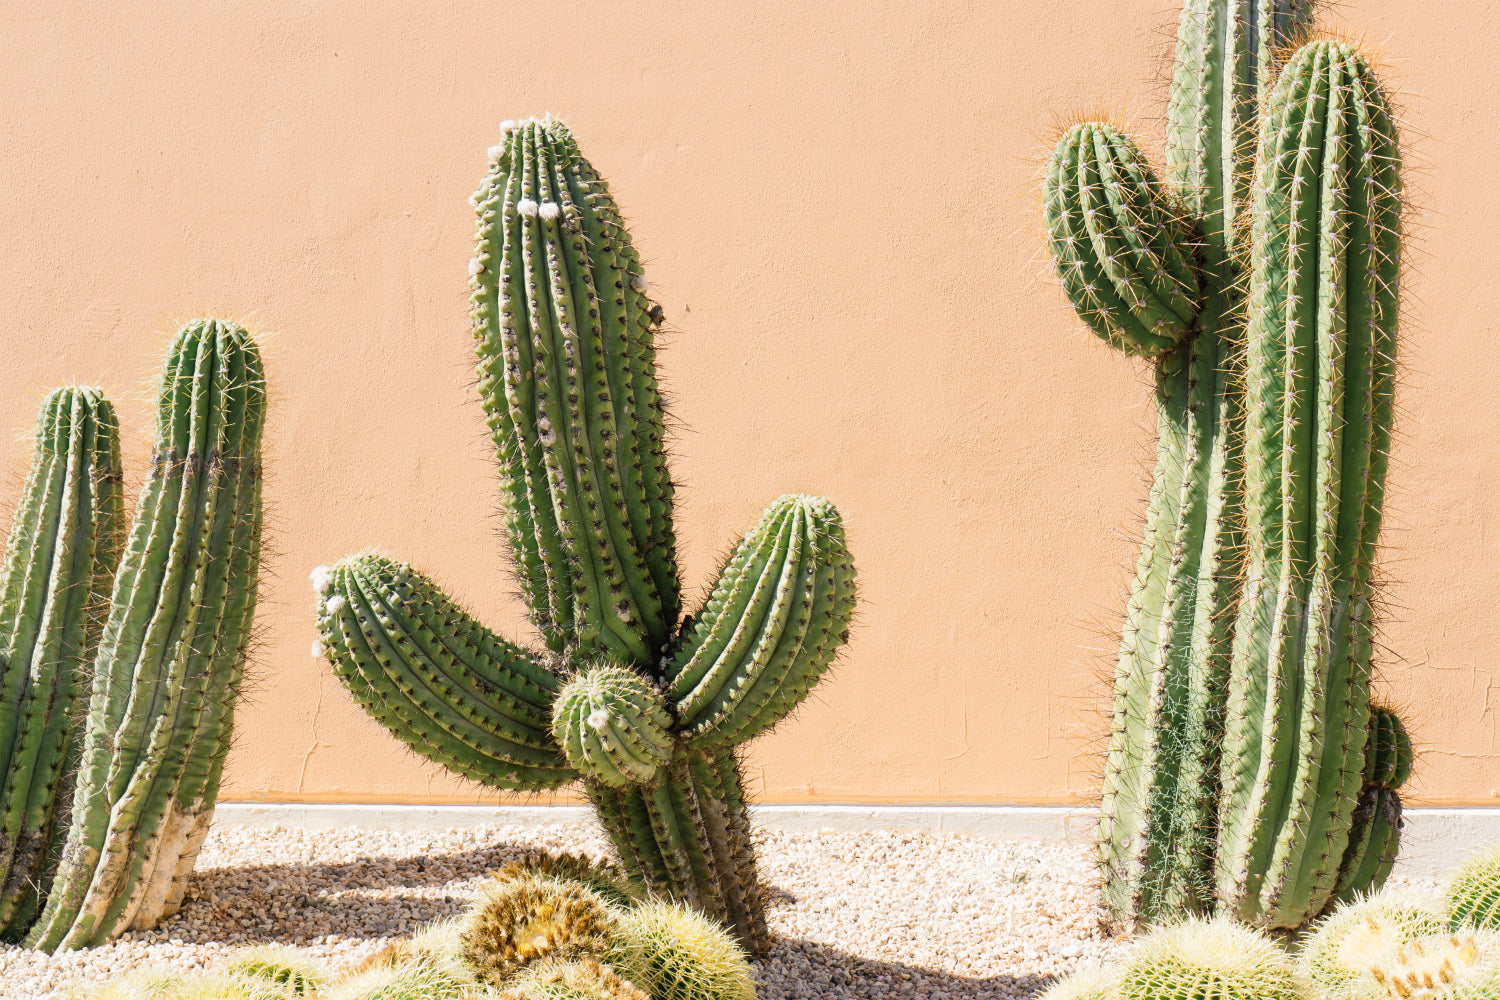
(171, 658)
(59, 562)
(647, 710)
(1320, 380)
(1151, 266)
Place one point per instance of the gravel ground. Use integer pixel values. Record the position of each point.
(854, 914)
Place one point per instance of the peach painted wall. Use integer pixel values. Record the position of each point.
(836, 202)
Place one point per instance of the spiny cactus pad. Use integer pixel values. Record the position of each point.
(650, 711)
(1346, 945)
(613, 725)
(520, 921)
(677, 954)
(1473, 892)
(1208, 960)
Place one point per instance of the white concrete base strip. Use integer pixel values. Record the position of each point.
(1433, 842)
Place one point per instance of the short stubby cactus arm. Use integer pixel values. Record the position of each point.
(1123, 251)
(60, 561)
(1319, 385)
(171, 656)
(1375, 827)
(613, 725)
(438, 680)
(565, 339)
(777, 617)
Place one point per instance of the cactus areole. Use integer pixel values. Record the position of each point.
(646, 708)
(1247, 771)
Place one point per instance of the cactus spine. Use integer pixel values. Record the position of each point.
(59, 562)
(648, 710)
(170, 662)
(1257, 482)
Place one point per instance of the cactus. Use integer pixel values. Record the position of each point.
(1462, 966)
(585, 979)
(170, 660)
(1346, 945)
(285, 968)
(606, 881)
(1269, 337)
(647, 710)
(1093, 984)
(406, 980)
(59, 562)
(1319, 385)
(677, 954)
(1207, 960)
(1473, 892)
(519, 921)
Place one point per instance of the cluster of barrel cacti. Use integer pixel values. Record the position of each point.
(1248, 771)
(1415, 945)
(554, 928)
(647, 709)
(121, 654)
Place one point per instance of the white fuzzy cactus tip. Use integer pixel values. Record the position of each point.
(322, 579)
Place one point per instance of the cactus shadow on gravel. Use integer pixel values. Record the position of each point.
(373, 897)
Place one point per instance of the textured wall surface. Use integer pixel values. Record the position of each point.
(837, 206)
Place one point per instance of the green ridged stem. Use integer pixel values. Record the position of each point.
(1123, 251)
(777, 617)
(613, 726)
(1319, 384)
(1388, 751)
(1374, 839)
(170, 662)
(1159, 810)
(649, 710)
(60, 560)
(447, 686)
(565, 341)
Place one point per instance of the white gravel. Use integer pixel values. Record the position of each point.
(854, 914)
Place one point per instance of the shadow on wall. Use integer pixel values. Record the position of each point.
(375, 898)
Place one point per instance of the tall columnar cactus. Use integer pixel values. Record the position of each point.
(59, 563)
(1319, 381)
(1239, 502)
(647, 710)
(171, 657)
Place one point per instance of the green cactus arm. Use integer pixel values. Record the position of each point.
(1388, 750)
(775, 621)
(1319, 383)
(565, 342)
(60, 560)
(178, 623)
(439, 681)
(1123, 252)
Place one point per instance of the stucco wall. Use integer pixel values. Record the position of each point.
(837, 206)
